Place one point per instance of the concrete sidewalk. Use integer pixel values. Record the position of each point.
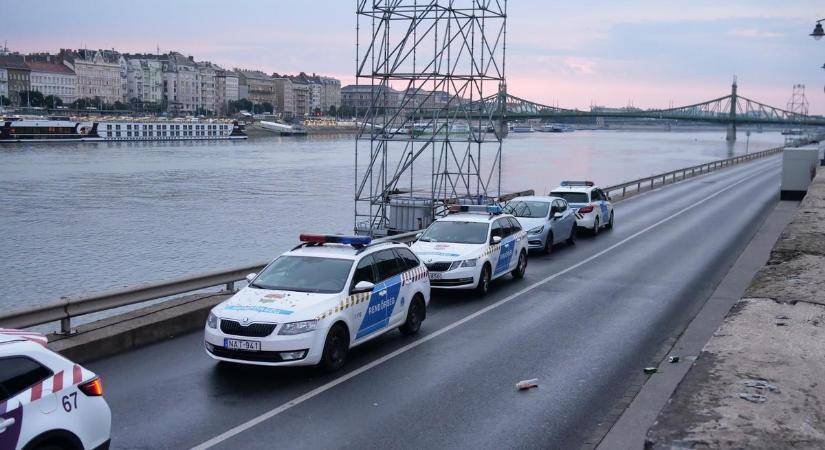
(759, 383)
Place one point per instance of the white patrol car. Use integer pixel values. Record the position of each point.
(591, 205)
(47, 401)
(312, 304)
(471, 246)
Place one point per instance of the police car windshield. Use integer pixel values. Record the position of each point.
(572, 197)
(304, 274)
(525, 209)
(456, 232)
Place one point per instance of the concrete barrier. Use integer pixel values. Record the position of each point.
(758, 383)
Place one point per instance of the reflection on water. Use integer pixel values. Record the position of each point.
(82, 217)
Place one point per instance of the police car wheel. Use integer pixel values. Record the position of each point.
(548, 244)
(415, 315)
(518, 273)
(596, 226)
(335, 348)
(610, 222)
(571, 239)
(484, 281)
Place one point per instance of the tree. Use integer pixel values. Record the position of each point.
(264, 107)
(31, 98)
(4, 101)
(236, 106)
(120, 106)
(52, 101)
(84, 103)
(333, 111)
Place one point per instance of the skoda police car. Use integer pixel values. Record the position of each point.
(471, 246)
(590, 204)
(47, 401)
(312, 304)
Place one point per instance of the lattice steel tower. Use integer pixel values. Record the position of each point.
(426, 138)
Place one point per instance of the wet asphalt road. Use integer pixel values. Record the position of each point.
(586, 334)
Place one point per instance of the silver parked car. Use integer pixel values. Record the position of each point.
(548, 221)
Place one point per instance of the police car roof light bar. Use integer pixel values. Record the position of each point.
(578, 183)
(334, 239)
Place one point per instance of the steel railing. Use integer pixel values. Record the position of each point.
(636, 186)
(68, 308)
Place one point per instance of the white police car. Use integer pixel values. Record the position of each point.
(471, 246)
(313, 303)
(47, 401)
(591, 205)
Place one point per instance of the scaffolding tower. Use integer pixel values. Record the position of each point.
(797, 104)
(429, 136)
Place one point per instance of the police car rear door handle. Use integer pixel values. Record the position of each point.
(6, 424)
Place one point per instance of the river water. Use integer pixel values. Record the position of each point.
(78, 218)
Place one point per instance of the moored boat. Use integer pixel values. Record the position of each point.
(64, 129)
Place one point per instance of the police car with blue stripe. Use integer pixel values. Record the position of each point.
(312, 304)
(471, 246)
(590, 204)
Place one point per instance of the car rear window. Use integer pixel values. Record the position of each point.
(572, 197)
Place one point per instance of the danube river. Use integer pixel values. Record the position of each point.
(79, 218)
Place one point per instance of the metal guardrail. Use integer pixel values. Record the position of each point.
(68, 308)
(687, 172)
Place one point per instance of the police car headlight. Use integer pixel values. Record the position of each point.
(465, 263)
(536, 230)
(212, 320)
(298, 327)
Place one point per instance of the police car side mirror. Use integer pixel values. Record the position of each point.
(251, 276)
(496, 239)
(558, 215)
(418, 236)
(362, 286)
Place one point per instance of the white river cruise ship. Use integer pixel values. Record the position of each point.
(65, 129)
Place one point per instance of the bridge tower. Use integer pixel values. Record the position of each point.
(427, 138)
(731, 136)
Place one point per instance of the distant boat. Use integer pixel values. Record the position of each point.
(555, 128)
(283, 129)
(522, 128)
(59, 129)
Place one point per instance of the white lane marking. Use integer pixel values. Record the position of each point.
(319, 390)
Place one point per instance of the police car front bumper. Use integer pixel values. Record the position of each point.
(461, 278)
(275, 350)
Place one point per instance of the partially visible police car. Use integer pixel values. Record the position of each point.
(471, 246)
(47, 401)
(590, 204)
(312, 304)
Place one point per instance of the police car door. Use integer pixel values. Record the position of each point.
(599, 195)
(512, 236)
(407, 261)
(18, 376)
(384, 295)
(504, 250)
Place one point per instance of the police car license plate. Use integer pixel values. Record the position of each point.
(238, 344)
(435, 275)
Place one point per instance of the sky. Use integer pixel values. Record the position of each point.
(643, 53)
